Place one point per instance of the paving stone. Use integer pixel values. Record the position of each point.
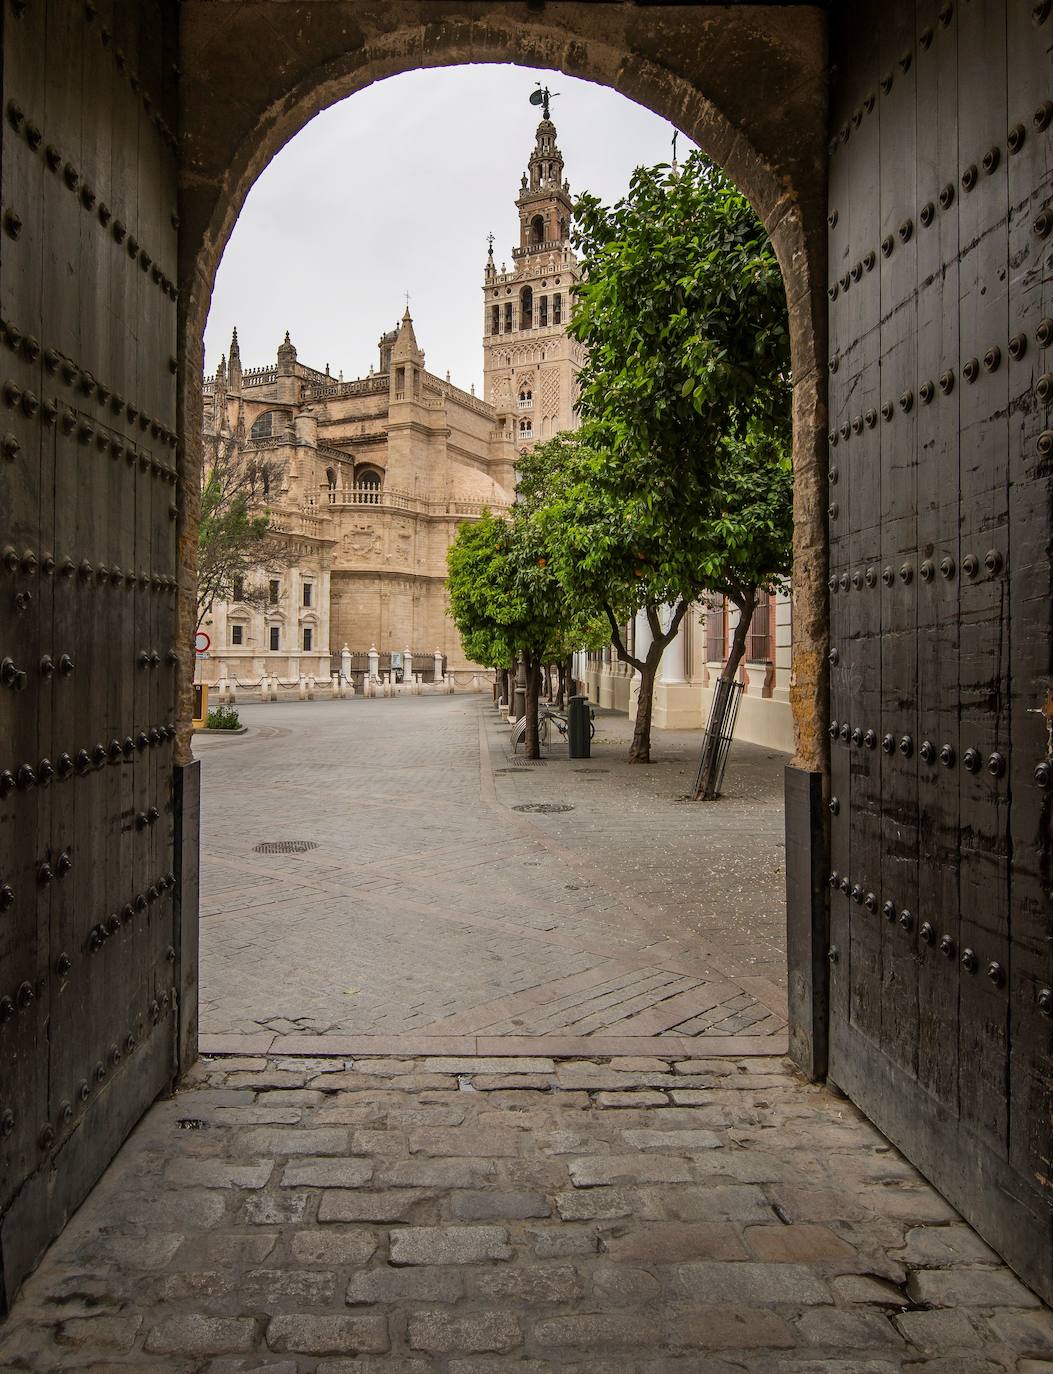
(607, 1328)
(387, 1364)
(200, 1335)
(459, 1140)
(859, 1330)
(186, 1210)
(866, 1288)
(312, 1140)
(969, 1288)
(418, 1284)
(624, 1284)
(937, 1245)
(273, 1209)
(449, 1245)
(217, 1173)
(709, 1202)
(600, 1078)
(598, 1170)
(750, 1285)
(209, 1283)
(436, 1173)
(592, 1204)
(442, 1332)
(943, 1331)
(480, 1065)
(645, 1097)
(494, 1083)
(804, 1242)
(101, 1332)
(138, 1252)
(729, 1328)
(256, 1115)
(483, 1364)
(674, 1141)
(334, 1247)
(530, 1283)
(228, 1247)
(269, 1079)
(1029, 1332)
(505, 1203)
(566, 1241)
(324, 1335)
(267, 1289)
(374, 1142)
(341, 1114)
(327, 1173)
(667, 1242)
(338, 1205)
(405, 1115)
(296, 1097)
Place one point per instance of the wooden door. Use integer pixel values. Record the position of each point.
(941, 511)
(87, 598)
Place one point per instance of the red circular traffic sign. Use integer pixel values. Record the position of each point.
(202, 642)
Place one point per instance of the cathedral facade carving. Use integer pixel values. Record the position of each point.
(377, 473)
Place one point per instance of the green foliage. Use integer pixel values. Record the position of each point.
(683, 315)
(234, 534)
(505, 598)
(223, 718)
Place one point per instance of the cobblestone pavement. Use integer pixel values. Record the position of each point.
(445, 1216)
(432, 908)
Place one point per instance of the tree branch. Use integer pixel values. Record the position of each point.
(616, 639)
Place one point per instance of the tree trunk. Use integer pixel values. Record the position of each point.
(531, 742)
(707, 783)
(640, 749)
(561, 689)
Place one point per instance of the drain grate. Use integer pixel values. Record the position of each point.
(284, 847)
(518, 762)
(589, 771)
(543, 808)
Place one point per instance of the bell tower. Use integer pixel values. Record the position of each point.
(530, 363)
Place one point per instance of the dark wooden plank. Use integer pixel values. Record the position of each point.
(1030, 975)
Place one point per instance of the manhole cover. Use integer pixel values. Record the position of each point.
(285, 847)
(506, 772)
(545, 808)
(589, 771)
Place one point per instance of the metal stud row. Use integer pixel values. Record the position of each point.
(121, 63)
(87, 198)
(83, 761)
(65, 369)
(88, 572)
(869, 577)
(1040, 12)
(968, 958)
(94, 1079)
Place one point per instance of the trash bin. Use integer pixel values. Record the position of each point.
(579, 718)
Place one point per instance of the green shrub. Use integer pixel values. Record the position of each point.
(223, 718)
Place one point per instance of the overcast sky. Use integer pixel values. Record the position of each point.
(395, 189)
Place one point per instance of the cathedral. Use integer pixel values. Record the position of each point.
(374, 475)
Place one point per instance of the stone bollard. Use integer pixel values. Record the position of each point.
(374, 664)
(438, 665)
(303, 688)
(311, 681)
(336, 684)
(407, 665)
(345, 663)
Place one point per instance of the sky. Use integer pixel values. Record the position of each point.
(395, 190)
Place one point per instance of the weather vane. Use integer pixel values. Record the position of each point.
(542, 96)
(490, 241)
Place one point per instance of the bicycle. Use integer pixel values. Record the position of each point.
(547, 717)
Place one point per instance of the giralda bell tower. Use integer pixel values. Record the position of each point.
(530, 362)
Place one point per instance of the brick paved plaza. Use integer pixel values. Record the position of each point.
(650, 1190)
(432, 908)
(474, 1216)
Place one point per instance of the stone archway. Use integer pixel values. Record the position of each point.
(251, 79)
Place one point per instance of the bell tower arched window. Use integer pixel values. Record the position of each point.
(526, 308)
(537, 230)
